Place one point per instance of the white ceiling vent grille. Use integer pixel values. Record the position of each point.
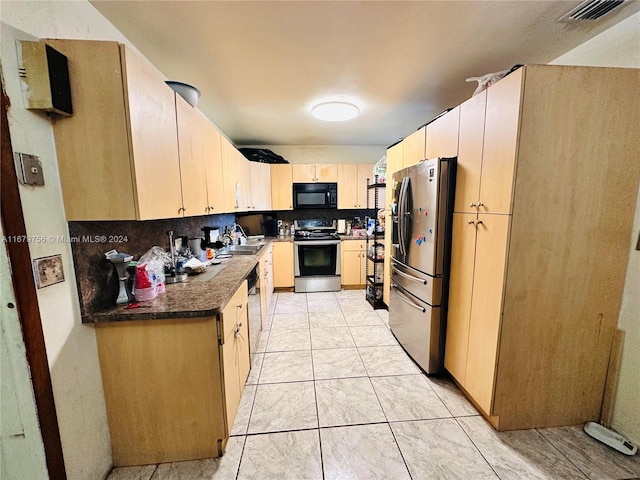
(591, 10)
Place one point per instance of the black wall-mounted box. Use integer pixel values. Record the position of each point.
(45, 78)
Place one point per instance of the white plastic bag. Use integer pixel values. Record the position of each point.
(150, 274)
(487, 80)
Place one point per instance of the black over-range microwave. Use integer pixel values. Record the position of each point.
(315, 195)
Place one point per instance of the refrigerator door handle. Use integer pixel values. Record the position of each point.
(406, 299)
(401, 216)
(407, 276)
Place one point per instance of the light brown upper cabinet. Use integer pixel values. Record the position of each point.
(118, 153)
(260, 174)
(191, 146)
(470, 153)
(281, 186)
(213, 166)
(309, 172)
(352, 184)
(533, 301)
(237, 178)
(413, 147)
(442, 135)
(500, 145)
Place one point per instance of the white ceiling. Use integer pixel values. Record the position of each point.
(260, 65)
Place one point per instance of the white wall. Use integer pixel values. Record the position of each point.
(21, 446)
(71, 346)
(620, 47)
(327, 153)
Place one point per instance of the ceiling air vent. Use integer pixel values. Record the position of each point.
(592, 10)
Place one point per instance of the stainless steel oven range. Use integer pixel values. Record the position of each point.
(317, 256)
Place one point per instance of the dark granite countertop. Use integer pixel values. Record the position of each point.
(352, 237)
(201, 295)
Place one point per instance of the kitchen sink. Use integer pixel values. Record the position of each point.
(242, 249)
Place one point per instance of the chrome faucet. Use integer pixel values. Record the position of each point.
(226, 239)
(237, 228)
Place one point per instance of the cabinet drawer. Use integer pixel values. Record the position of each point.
(234, 309)
(351, 245)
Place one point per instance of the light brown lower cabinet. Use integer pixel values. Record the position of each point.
(172, 387)
(353, 257)
(283, 272)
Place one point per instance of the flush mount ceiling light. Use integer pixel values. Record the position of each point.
(335, 111)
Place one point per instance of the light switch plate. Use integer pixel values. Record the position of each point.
(29, 169)
(48, 270)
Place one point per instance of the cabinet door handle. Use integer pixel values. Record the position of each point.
(237, 332)
(471, 222)
(473, 204)
(480, 204)
(182, 209)
(478, 222)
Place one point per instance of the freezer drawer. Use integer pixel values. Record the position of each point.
(417, 326)
(419, 284)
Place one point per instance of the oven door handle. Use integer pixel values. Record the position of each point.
(407, 300)
(407, 276)
(316, 242)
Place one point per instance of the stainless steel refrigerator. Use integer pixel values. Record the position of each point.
(422, 216)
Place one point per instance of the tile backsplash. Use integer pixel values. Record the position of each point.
(96, 277)
(330, 214)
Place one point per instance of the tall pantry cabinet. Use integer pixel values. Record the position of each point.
(547, 180)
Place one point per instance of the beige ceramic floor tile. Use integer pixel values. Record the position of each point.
(362, 452)
(347, 401)
(290, 320)
(385, 361)
(440, 449)
(143, 472)
(452, 397)
(241, 422)
(520, 453)
(279, 367)
(282, 456)
(284, 406)
(289, 339)
(331, 337)
(333, 318)
(223, 468)
(373, 336)
(593, 458)
(408, 397)
(337, 363)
